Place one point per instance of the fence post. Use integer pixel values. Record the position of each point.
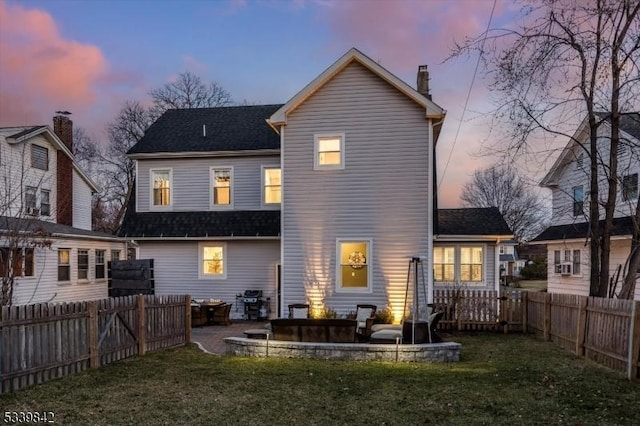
(187, 319)
(94, 350)
(142, 325)
(634, 342)
(546, 334)
(582, 325)
(525, 305)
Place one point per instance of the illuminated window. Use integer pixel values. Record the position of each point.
(64, 268)
(161, 188)
(354, 272)
(444, 262)
(272, 185)
(212, 260)
(471, 263)
(222, 180)
(329, 151)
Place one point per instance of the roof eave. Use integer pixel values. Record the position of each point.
(451, 237)
(189, 154)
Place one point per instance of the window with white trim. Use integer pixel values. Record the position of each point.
(39, 157)
(354, 271)
(444, 264)
(64, 267)
(557, 267)
(22, 261)
(45, 202)
(115, 255)
(161, 188)
(328, 151)
(212, 260)
(272, 184)
(471, 264)
(221, 186)
(578, 200)
(99, 264)
(576, 263)
(30, 198)
(83, 264)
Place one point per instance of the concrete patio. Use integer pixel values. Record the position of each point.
(211, 338)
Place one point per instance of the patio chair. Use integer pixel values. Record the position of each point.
(299, 310)
(365, 314)
(221, 314)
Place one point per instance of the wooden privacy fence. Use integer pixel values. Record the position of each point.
(604, 330)
(46, 341)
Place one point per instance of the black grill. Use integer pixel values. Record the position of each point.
(255, 306)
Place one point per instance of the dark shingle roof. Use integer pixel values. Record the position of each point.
(630, 123)
(34, 225)
(472, 221)
(227, 129)
(621, 226)
(26, 132)
(238, 223)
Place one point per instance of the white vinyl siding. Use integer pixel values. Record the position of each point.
(191, 181)
(81, 203)
(386, 176)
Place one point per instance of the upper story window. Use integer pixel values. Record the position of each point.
(354, 271)
(161, 187)
(444, 263)
(45, 202)
(39, 157)
(272, 185)
(328, 151)
(30, 199)
(630, 187)
(222, 186)
(471, 263)
(578, 200)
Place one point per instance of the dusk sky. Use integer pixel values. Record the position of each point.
(88, 57)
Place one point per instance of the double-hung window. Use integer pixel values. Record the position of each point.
(221, 187)
(576, 262)
(272, 178)
(471, 264)
(444, 264)
(557, 267)
(115, 255)
(30, 199)
(354, 270)
(20, 259)
(83, 264)
(100, 264)
(45, 202)
(630, 187)
(64, 267)
(578, 200)
(161, 186)
(212, 257)
(328, 151)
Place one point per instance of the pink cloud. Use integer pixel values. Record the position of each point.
(41, 68)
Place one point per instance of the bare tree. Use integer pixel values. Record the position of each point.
(516, 200)
(188, 91)
(570, 59)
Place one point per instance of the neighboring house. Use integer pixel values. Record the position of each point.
(510, 264)
(45, 193)
(322, 200)
(567, 239)
(466, 248)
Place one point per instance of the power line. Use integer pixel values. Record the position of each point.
(473, 79)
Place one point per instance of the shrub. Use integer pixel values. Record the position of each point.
(534, 271)
(383, 316)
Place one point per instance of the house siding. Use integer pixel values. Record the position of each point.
(81, 203)
(191, 181)
(251, 265)
(381, 194)
(44, 285)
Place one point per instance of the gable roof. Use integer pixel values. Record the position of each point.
(629, 123)
(19, 134)
(55, 229)
(279, 117)
(621, 226)
(200, 130)
(485, 221)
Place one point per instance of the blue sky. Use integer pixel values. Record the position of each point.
(88, 57)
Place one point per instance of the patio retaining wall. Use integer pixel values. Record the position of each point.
(427, 352)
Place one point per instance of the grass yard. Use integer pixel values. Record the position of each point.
(502, 379)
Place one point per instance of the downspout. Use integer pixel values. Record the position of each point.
(430, 215)
(496, 267)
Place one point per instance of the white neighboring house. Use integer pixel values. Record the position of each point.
(323, 200)
(567, 238)
(45, 192)
(510, 263)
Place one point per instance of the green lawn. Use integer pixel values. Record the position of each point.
(501, 379)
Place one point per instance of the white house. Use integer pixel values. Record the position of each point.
(322, 200)
(46, 196)
(567, 237)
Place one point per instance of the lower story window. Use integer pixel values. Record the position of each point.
(353, 265)
(20, 259)
(64, 267)
(212, 258)
(83, 264)
(444, 262)
(99, 264)
(471, 264)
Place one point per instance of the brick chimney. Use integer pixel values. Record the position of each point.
(63, 128)
(423, 81)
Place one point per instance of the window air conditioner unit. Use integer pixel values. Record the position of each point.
(33, 211)
(565, 269)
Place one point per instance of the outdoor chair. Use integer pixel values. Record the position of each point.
(365, 314)
(299, 310)
(221, 314)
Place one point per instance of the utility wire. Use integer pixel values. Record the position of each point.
(473, 79)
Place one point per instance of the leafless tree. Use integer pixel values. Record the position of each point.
(502, 187)
(567, 60)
